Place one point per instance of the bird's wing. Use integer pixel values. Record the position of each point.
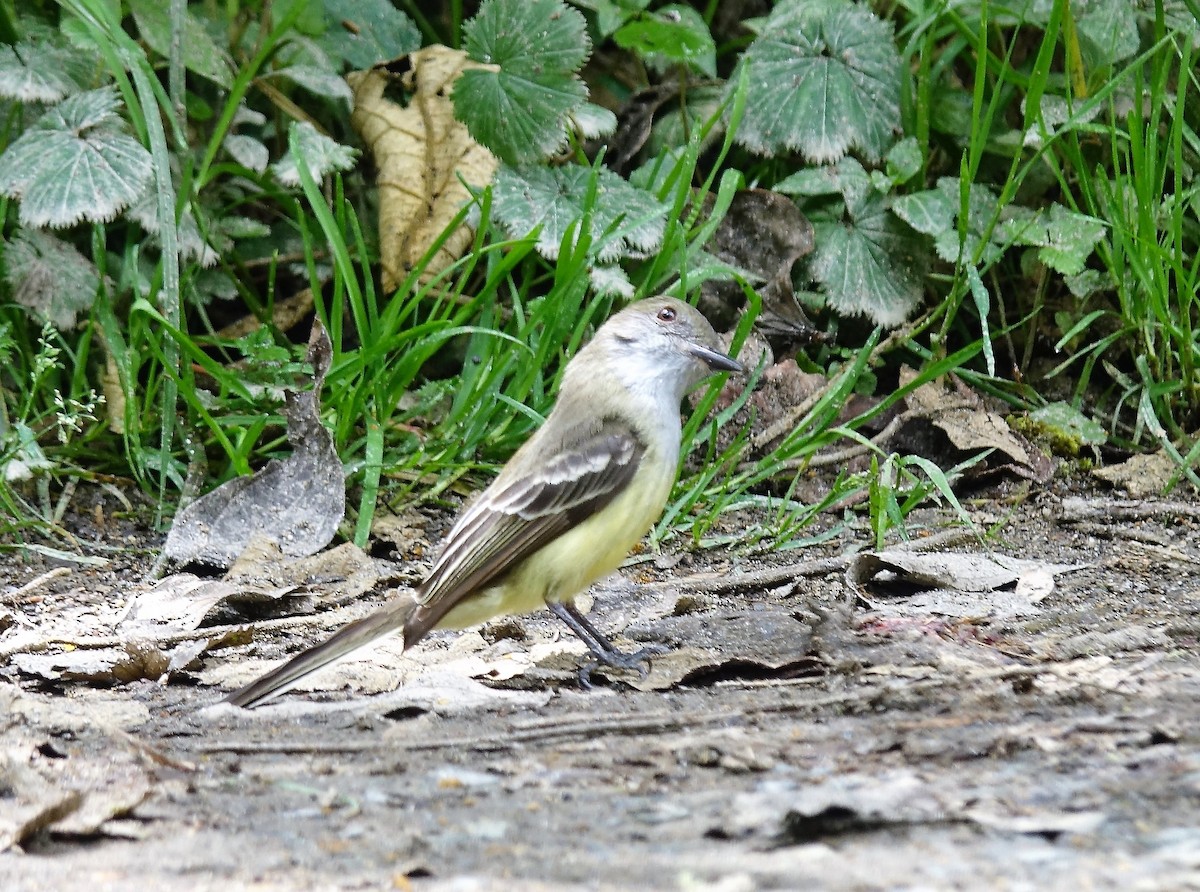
(515, 518)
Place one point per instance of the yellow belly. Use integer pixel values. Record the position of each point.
(577, 558)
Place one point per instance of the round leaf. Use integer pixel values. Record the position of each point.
(519, 105)
(74, 164)
(824, 80)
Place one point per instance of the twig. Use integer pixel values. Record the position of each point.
(285, 314)
(1145, 541)
(844, 456)
(788, 422)
(768, 576)
(1078, 510)
(38, 582)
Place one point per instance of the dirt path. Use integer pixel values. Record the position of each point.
(841, 739)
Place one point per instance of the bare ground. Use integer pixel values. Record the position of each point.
(813, 734)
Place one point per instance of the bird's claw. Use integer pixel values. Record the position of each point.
(638, 661)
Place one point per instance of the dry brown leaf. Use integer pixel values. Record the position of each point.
(959, 413)
(969, 426)
(420, 152)
(1141, 475)
(105, 666)
(32, 803)
(114, 394)
(763, 233)
(336, 576)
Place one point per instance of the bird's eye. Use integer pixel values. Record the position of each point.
(667, 314)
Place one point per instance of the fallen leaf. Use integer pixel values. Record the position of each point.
(1141, 475)
(788, 813)
(183, 601)
(420, 152)
(298, 502)
(956, 584)
(794, 814)
(763, 234)
(99, 666)
(109, 788)
(336, 576)
(31, 804)
(956, 412)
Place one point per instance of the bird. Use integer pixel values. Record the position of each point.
(567, 507)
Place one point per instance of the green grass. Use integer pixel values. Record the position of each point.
(441, 380)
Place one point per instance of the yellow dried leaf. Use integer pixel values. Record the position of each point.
(420, 152)
(114, 395)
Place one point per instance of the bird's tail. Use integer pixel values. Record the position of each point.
(350, 638)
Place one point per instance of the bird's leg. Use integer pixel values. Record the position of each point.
(603, 651)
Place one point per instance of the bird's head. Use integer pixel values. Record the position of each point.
(663, 344)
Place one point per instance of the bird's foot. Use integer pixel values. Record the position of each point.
(638, 661)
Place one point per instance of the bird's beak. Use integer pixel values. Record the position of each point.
(718, 362)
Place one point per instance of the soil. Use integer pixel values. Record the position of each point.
(816, 732)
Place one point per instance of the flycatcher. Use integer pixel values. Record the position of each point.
(570, 503)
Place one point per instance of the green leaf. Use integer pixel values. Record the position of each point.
(200, 52)
(1108, 32)
(22, 457)
(247, 151)
(612, 15)
(50, 277)
(674, 126)
(34, 72)
(824, 80)
(593, 121)
(983, 307)
(609, 279)
(244, 227)
(904, 160)
(192, 245)
(847, 178)
(519, 105)
(1068, 421)
(317, 80)
(1065, 238)
(867, 262)
(1088, 282)
(207, 285)
(935, 212)
(931, 212)
(321, 154)
(364, 32)
(810, 181)
(74, 164)
(902, 163)
(305, 15)
(672, 35)
(951, 113)
(625, 219)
